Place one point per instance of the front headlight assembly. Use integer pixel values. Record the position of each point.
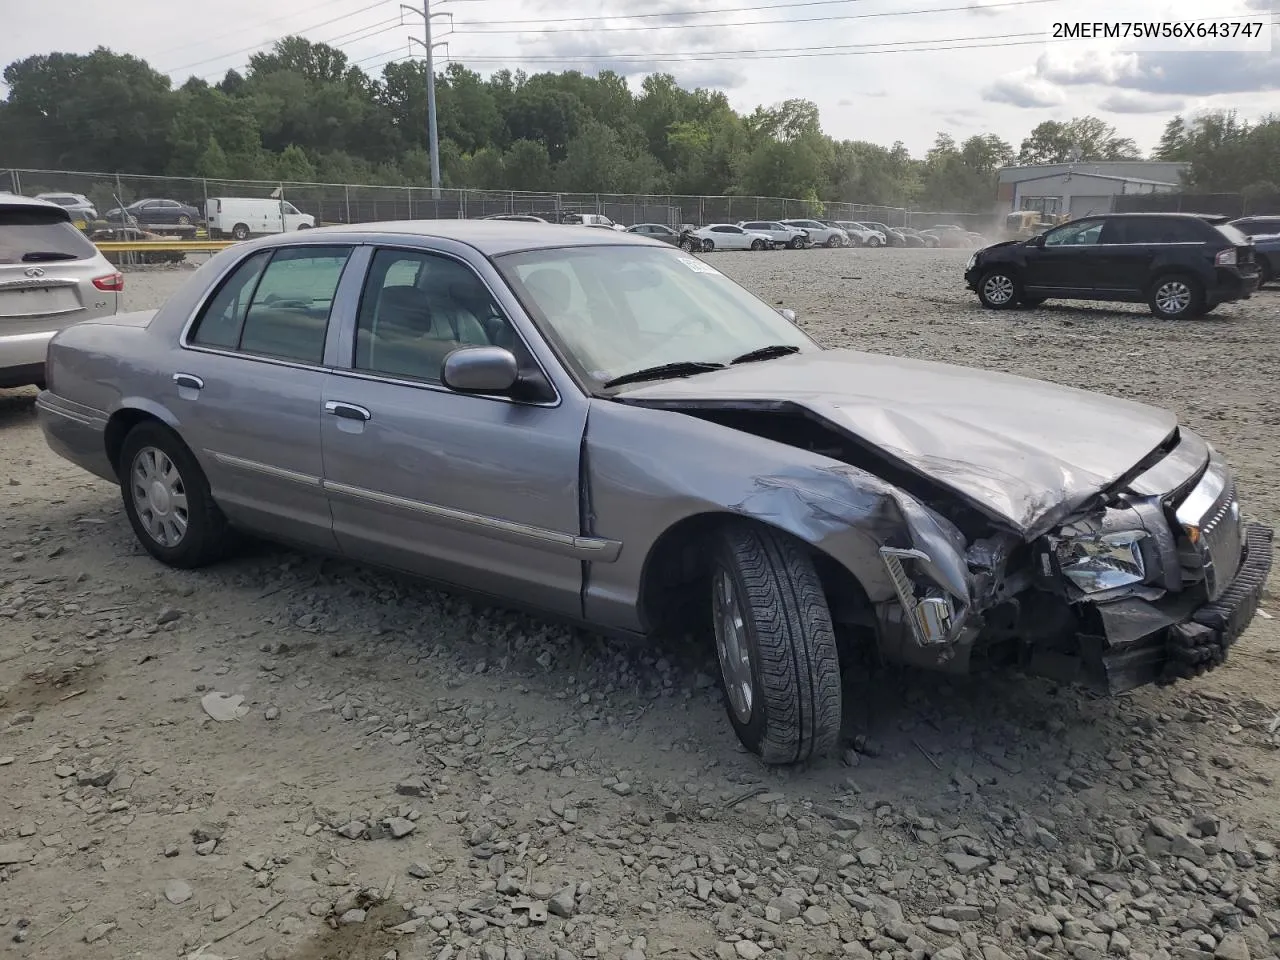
(1097, 564)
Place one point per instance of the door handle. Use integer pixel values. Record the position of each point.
(188, 380)
(348, 411)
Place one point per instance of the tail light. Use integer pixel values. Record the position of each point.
(111, 282)
(1226, 258)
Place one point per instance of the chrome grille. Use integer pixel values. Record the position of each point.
(1210, 516)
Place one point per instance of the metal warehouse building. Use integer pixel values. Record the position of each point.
(1080, 189)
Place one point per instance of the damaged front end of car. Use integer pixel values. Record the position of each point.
(1139, 587)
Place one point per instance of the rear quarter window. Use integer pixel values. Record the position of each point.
(1233, 235)
(34, 236)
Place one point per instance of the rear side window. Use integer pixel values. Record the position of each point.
(276, 304)
(1234, 236)
(34, 236)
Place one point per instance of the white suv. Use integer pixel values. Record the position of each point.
(780, 233)
(51, 276)
(820, 233)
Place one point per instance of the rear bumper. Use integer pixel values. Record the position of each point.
(1232, 284)
(76, 433)
(22, 358)
(1201, 639)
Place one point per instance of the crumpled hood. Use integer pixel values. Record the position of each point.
(1023, 451)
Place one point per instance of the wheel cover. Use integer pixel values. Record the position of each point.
(1173, 296)
(998, 288)
(159, 496)
(731, 646)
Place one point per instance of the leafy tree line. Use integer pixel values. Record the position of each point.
(302, 112)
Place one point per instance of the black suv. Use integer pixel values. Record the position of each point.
(1181, 264)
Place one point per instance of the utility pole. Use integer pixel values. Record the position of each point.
(433, 138)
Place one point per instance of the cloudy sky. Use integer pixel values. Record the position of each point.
(880, 70)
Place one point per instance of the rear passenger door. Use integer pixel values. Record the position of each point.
(248, 384)
(477, 491)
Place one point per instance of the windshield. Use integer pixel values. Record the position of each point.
(618, 309)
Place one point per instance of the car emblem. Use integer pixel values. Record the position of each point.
(35, 272)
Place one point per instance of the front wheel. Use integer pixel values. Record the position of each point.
(757, 244)
(1265, 272)
(687, 245)
(776, 645)
(873, 242)
(167, 499)
(998, 290)
(708, 246)
(834, 242)
(1175, 296)
(797, 243)
(240, 231)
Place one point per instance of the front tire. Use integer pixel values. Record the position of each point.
(687, 245)
(999, 289)
(776, 645)
(1266, 273)
(797, 243)
(167, 499)
(834, 242)
(1176, 297)
(708, 246)
(757, 245)
(873, 242)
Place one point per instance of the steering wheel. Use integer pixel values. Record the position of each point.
(690, 321)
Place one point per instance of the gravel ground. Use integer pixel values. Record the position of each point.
(418, 777)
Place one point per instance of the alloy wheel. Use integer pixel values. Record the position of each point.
(731, 646)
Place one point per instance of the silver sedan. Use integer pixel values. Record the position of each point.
(607, 429)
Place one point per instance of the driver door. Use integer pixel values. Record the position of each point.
(477, 491)
(1066, 262)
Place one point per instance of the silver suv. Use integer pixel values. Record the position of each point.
(50, 277)
(820, 234)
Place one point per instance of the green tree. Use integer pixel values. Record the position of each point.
(1082, 139)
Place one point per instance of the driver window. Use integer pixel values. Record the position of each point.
(1078, 235)
(417, 308)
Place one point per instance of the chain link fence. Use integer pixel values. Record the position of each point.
(332, 203)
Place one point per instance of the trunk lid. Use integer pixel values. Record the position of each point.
(1024, 452)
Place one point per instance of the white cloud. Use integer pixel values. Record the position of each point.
(1024, 90)
(1129, 101)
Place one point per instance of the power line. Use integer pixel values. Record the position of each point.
(259, 46)
(343, 40)
(790, 5)
(752, 23)
(252, 26)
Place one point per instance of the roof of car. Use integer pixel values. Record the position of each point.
(490, 237)
(13, 201)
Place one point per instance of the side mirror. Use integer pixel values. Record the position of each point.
(480, 370)
(788, 314)
(1037, 241)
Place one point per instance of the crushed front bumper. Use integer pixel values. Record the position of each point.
(1198, 641)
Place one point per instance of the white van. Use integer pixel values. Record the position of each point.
(243, 217)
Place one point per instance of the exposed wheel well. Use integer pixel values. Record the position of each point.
(679, 563)
(118, 427)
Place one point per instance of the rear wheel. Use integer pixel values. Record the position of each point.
(776, 645)
(167, 499)
(1176, 296)
(687, 245)
(184, 220)
(1266, 272)
(998, 289)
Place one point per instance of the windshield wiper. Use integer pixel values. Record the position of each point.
(681, 368)
(767, 353)
(46, 256)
